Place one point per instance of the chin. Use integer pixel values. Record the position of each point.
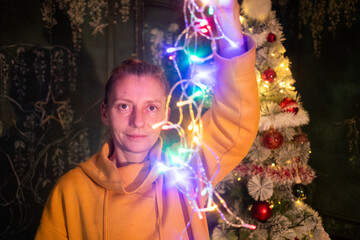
(138, 148)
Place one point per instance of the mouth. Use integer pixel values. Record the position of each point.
(136, 136)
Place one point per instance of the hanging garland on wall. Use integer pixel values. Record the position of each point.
(101, 12)
(320, 15)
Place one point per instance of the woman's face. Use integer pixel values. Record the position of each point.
(134, 105)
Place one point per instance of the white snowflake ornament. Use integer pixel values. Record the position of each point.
(260, 188)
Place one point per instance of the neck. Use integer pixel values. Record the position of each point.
(123, 158)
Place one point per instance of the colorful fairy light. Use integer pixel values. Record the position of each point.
(180, 162)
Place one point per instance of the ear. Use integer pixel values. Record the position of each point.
(104, 114)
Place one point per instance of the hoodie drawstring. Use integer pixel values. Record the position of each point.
(105, 222)
(159, 210)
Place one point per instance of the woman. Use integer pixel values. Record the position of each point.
(118, 193)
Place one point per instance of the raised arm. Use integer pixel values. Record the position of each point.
(230, 126)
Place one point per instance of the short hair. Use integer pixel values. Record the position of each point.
(138, 68)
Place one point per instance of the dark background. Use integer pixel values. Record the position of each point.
(329, 86)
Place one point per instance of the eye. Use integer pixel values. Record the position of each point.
(152, 108)
(123, 107)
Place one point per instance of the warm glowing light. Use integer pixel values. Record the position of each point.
(204, 191)
(196, 128)
(196, 139)
(252, 227)
(239, 179)
(211, 208)
(181, 161)
(250, 29)
(204, 30)
(162, 167)
(241, 19)
(273, 164)
(265, 85)
(182, 103)
(174, 49)
(282, 65)
(272, 54)
(156, 125)
(166, 127)
(203, 23)
(176, 159)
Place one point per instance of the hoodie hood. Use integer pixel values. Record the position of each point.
(105, 173)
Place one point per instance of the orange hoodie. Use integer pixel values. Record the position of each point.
(97, 200)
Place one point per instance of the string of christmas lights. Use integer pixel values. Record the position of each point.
(183, 163)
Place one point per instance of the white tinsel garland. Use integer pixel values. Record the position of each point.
(284, 119)
(260, 188)
(257, 9)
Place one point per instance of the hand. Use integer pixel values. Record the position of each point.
(224, 5)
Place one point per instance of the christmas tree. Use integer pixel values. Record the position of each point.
(268, 188)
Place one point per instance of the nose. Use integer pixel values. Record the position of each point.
(137, 119)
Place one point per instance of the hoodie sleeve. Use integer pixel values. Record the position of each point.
(230, 126)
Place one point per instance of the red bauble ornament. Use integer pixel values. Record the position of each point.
(289, 105)
(301, 138)
(269, 75)
(271, 37)
(261, 211)
(273, 139)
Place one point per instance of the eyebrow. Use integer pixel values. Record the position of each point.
(146, 101)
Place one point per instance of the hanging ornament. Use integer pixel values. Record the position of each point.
(260, 188)
(269, 75)
(300, 191)
(261, 211)
(273, 139)
(289, 105)
(301, 138)
(271, 37)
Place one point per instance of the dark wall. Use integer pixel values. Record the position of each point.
(35, 148)
(51, 93)
(330, 88)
